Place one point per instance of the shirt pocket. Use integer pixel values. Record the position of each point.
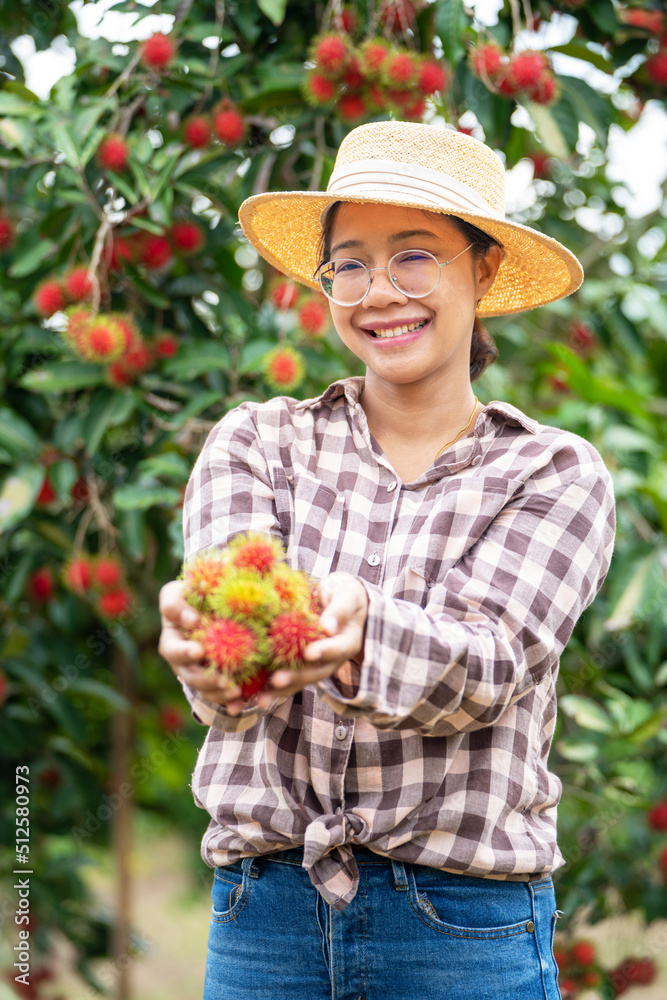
(316, 524)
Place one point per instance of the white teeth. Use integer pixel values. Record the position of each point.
(398, 330)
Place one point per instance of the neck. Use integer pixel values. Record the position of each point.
(416, 415)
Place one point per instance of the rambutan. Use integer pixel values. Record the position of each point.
(229, 125)
(284, 369)
(292, 587)
(540, 164)
(313, 317)
(40, 584)
(352, 76)
(372, 56)
(255, 551)
(113, 153)
(487, 61)
(101, 340)
(415, 112)
(652, 21)
(50, 298)
(80, 492)
(166, 345)
(400, 70)
(284, 295)
(155, 252)
(319, 90)
(432, 77)
(397, 15)
(47, 494)
(331, 53)
(657, 817)
(6, 233)
(254, 684)
(114, 603)
(656, 68)
(171, 719)
(119, 251)
(131, 335)
(525, 69)
(346, 20)
(228, 645)
(107, 573)
(77, 575)
(245, 596)
(352, 107)
(545, 91)
(77, 284)
(157, 51)
(202, 576)
(78, 321)
(376, 97)
(187, 237)
(289, 635)
(583, 952)
(197, 132)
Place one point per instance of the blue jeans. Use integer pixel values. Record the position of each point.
(410, 933)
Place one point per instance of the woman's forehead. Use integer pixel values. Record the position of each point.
(385, 219)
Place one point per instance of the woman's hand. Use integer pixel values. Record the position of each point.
(344, 620)
(184, 655)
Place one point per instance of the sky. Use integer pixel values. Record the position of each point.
(637, 157)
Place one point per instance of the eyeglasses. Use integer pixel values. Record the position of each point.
(414, 273)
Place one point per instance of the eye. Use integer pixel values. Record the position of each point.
(346, 266)
(413, 257)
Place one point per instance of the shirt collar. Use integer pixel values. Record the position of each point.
(351, 389)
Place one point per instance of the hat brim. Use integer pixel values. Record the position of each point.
(286, 228)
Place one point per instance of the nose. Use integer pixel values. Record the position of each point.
(381, 291)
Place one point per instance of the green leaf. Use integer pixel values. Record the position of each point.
(586, 105)
(63, 475)
(132, 527)
(32, 258)
(18, 493)
(148, 291)
(580, 753)
(63, 376)
(450, 24)
(274, 10)
(142, 495)
(194, 360)
(550, 130)
(629, 606)
(17, 435)
(585, 712)
(100, 415)
(96, 689)
(64, 141)
(124, 188)
(13, 105)
(170, 463)
(253, 354)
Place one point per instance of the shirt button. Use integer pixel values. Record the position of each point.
(341, 732)
(391, 487)
(373, 560)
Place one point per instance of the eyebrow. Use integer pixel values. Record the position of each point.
(404, 234)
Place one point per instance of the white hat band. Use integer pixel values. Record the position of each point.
(393, 179)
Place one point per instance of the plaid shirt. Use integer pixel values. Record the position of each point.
(435, 750)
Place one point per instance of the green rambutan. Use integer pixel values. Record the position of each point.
(245, 595)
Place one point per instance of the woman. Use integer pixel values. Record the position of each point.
(383, 824)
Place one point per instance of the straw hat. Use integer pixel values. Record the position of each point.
(416, 166)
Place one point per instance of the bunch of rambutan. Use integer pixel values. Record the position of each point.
(100, 580)
(376, 76)
(257, 614)
(112, 339)
(54, 294)
(520, 75)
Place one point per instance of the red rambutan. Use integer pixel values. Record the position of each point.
(114, 603)
(352, 76)
(346, 20)
(157, 51)
(202, 576)
(113, 153)
(165, 345)
(119, 251)
(101, 340)
(229, 125)
(78, 285)
(376, 97)
(255, 551)
(652, 21)
(415, 111)
(545, 91)
(40, 584)
(313, 316)
(319, 90)
(80, 492)
(526, 68)
(228, 646)
(400, 70)
(656, 68)
(197, 132)
(47, 494)
(540, 165)
(254, 684)
(397, 15)
(6, 233)
(372, 56)
(352, 107)
(583, 952)
(155, 252)
(171, 719)
(284, 295)
(187, 237)
(289, 635)
(107, 573)
(284, 369)
(432, 77)
(77, 575)
(487, 61)
(50, 298)
(330, 53)
(657, 817)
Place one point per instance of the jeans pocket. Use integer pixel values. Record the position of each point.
(230, 890)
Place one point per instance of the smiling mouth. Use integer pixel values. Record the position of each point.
(397, 331)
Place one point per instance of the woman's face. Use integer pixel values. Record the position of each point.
(440, 343)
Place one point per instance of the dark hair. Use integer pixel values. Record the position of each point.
(483, 351)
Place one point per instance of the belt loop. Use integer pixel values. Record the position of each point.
(400, 876)
(249, 868)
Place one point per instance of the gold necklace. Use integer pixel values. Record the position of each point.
(446, 446)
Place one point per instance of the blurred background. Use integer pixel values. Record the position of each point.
(133, 316)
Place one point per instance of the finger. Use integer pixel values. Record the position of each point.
(291, 681)
(209, 682)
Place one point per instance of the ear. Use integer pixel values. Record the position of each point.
(487, 268)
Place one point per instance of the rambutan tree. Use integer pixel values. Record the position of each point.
(133, 317)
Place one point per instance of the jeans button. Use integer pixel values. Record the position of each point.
(530, 926)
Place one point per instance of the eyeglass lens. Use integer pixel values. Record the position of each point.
(413, 272)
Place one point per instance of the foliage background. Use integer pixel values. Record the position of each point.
(595, 363)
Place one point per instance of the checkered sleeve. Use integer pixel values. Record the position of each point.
(494, 624)
(229, 491)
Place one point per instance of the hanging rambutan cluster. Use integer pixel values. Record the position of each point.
(257, 614)
(54, 294)
(374, 77)
(100, 580)
(111, 339)
(520, 75)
